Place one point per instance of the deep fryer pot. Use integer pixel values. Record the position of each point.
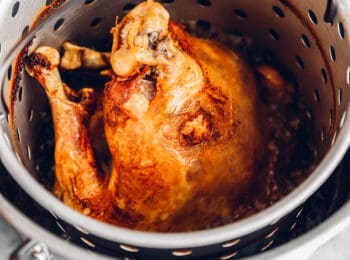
(309, 38)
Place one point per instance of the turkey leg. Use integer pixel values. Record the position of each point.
(78, 180)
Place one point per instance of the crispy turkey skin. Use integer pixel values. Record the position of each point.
(181, 123)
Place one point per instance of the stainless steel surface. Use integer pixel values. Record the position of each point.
(318, 67)
(9, 239)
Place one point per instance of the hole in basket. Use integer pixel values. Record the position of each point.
(15, 8)
(332, 53)
(87, 2)
(129, 248)
(278, 11)
(331, 118)
(18, 135)
(232, 243)
(182, 252)
(240, 13)
(87, 242)
(20, 94)
(29, 153)
(25, 30)
(299, 61)
(48, 2)
(9, 73)
(313, 17)
(18, 158)
(203, 26)
(340, 96)
(331, 12)
(128, 7)
(82, 230)
(167, 1)
(334, 138)
(204, 2)
(342, 121)
(58, 24)
(60, 227)
(348, 76)
(229, 256)
(53, 213)
(322, 135)
(305, 40)
(341, 30)
(274, 35)
(266, 246)
(317, 96)
(30, 115)
(324, 76)
(308, 114)
(95, 22)
(272, 233)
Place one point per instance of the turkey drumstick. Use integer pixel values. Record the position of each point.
(78, 181)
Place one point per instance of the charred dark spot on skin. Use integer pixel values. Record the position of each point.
(37, 59)
(153, 39)
(197, 129)
(148, 86)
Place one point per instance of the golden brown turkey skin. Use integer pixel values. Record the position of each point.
(180, 121)
(190, 146)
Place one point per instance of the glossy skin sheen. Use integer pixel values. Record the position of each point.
(181, 125)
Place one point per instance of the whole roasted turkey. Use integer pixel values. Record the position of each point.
(180, 119)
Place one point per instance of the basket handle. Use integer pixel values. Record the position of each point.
(31, 250)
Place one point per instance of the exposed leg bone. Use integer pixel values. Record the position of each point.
(78, 181)
(76, 57)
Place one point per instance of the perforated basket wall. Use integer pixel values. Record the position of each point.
(309, 38)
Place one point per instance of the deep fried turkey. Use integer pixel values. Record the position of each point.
(180, 120)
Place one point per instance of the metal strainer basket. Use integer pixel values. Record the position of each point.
(310, 38)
